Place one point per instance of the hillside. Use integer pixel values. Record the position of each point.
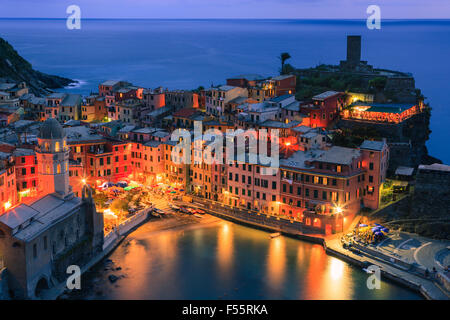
(15, 68)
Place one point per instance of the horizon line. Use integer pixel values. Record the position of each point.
(315, 19)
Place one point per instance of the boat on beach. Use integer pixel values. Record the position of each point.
(274, 235)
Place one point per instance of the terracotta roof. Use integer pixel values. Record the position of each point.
(185, 112)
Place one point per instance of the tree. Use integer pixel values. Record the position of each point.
(287, 69)
(119, 205)
(283, 57)
(378, 83)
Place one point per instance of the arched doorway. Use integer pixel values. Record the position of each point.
(41, 285)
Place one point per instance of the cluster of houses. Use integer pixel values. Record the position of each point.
(52, 146)
(124, 132)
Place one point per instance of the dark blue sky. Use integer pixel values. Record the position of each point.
(174, 9)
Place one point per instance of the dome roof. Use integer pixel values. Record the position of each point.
(51, 129)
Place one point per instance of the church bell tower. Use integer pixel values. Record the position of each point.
(53, 160)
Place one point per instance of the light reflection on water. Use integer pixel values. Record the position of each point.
(227, 261)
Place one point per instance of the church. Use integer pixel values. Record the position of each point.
(39, 240)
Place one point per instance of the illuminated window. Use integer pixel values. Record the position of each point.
(57, 147)
(317, 223)
(338, 168)
(47, 169)
(58, 168)
(334, 196)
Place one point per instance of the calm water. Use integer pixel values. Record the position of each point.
(227, 261)
(188, 53)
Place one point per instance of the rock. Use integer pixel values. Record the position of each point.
(112, 278)
(17, 69)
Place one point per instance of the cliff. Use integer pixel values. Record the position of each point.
(15, 68)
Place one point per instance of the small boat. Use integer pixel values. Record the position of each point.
(368, 271)
(157, 215)
(274, 235)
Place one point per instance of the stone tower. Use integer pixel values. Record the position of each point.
(353, 50)
(53, 160)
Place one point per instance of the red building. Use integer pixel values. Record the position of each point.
(324, 109)
(284, 84)
(245, 80)
(8, 192)
(26, 173)
(154, 99)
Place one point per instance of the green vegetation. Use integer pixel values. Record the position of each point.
(387, 192)
(378, 83)
(283, 57)
(352, 138)
(316, 83)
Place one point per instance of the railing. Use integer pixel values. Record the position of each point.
(260, 218)
(124, 227)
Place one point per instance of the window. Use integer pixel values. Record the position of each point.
(35, 251)
(334, 196)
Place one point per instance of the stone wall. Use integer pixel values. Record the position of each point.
(406, 139)
(4, 289)
(395, 210)
(432, 194)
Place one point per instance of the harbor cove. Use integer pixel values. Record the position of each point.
(218, 259)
